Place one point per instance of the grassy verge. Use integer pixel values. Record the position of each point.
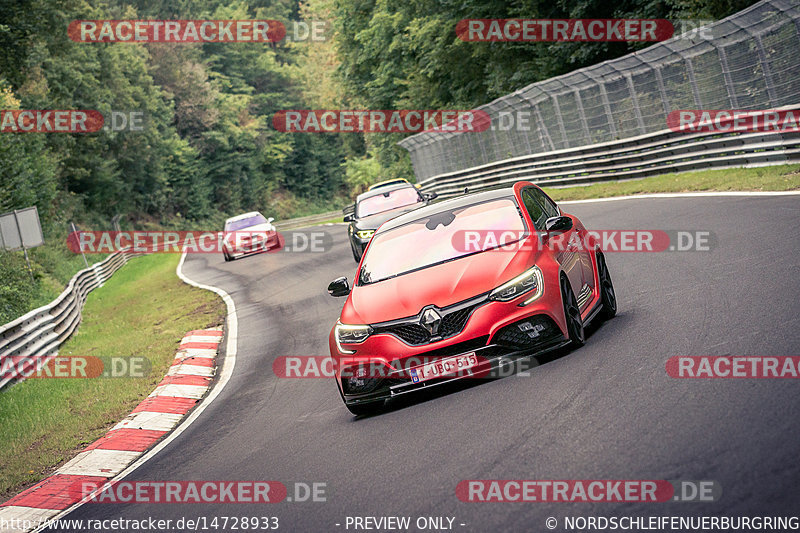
(143, 310)
(53, 265)
(774, 178)
(336, 220)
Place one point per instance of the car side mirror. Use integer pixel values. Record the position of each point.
(270, 220)
(348, 218)
(339, 287)
(430, 196)
(558, 224)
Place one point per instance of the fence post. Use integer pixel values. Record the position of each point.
(24, 249)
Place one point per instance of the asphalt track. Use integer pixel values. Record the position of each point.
(605, 411)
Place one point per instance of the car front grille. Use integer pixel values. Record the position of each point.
(528, 332)
(409, 330)
(453, 323)
(411, 333)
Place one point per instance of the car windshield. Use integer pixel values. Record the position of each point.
(235, 225)
(387, 201)
(436, 239)
(387, 184)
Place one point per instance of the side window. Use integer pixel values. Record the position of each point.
(546, 203)
(534, 209)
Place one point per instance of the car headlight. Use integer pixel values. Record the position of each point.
(350, 334)
(529, 281)
(365, 233)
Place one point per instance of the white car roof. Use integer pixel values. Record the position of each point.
(245, 215)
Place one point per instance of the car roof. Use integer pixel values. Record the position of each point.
(452, 203)
(383, 190)
(243, 216)
(396, 181)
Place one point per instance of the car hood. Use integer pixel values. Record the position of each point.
(255, 229)
(441, 285)
(375, 221)
(258, 228)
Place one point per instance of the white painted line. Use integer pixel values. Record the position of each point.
(150, 420)
(15, 514)
(186, 369)
(227, 366)
(179, 391)
(682, 195)
(201, 338)
(196, 352)
(99, 463)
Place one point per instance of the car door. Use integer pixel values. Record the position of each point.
(540, 207)
(579, 247)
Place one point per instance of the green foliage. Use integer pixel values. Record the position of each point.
(207, 145)
(396, 55)
(208, 149)
(27, 168)
(361, 173)
(17, 293)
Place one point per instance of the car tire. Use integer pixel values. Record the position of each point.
(572, 314)
(226, 257)
(607, 294)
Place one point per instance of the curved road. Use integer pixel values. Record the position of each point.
(605, 411)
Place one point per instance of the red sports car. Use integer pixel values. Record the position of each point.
(249, 233)
(461, 287)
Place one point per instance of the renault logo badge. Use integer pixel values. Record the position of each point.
(430, 320)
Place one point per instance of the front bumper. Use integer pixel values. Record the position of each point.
(495, 361)
(254, 246)
(521, 334)
(491, 331)
(359, 245)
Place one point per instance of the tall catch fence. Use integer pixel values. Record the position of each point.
(748, 61)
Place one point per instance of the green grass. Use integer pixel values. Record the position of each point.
(143, 310)
(53, 265)
(774, 178)
(331, 221)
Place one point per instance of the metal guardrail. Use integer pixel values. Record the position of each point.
(748, 61)
(32, 339)
(638, 157)
(306, 221)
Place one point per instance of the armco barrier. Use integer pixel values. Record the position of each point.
(607, 121)
(748, 61)
(306, 221)
(35, 337)
(638, 157)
